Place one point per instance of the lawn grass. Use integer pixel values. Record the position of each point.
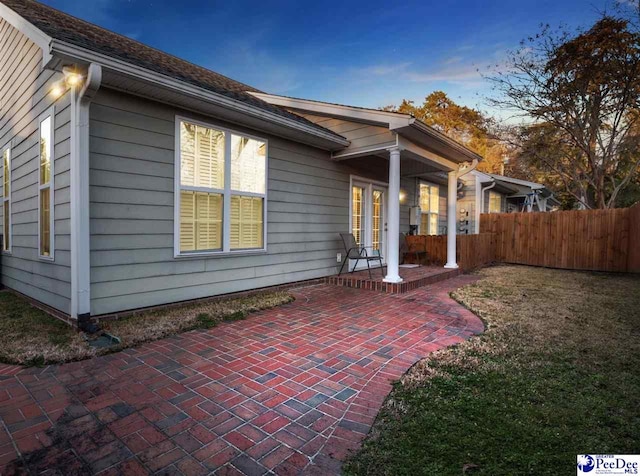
(31, 337)
(556, 374)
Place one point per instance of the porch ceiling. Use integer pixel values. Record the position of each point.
(378, 164)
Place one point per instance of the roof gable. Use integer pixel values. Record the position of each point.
(69, 29)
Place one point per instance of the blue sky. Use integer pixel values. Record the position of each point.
(368, 53)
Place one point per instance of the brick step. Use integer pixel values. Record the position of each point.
(412, 278)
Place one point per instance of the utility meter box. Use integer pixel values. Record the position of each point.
(414, 216)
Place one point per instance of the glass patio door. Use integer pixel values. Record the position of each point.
(368, 218)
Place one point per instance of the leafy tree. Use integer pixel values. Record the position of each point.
(463, 124)
(581, 95)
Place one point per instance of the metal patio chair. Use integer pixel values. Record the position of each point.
(353, 251)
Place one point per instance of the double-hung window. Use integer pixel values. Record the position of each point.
(220, 190)
(495, 202)
(6, 199)
(429, 206)
(45, 187)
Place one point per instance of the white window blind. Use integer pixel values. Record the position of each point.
(357, 219)
(220, 172)
(429, 207)
(246, 222)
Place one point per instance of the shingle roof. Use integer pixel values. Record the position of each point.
(69, 29)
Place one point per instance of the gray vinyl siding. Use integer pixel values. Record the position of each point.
(362, 136)
(24, 97)
(132, 188)
(442, 214)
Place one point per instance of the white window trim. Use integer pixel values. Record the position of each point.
(49, 113)
(369, 186)
(226, 194)
(428, 212)
(7, 199)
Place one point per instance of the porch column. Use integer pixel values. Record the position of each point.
(452, 218)
(393, 221)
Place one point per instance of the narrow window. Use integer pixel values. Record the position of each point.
(220, 173)
(45, 188)
(357, 218)
(377, 220)
(6, 199)
(495, 202)
(429, 207)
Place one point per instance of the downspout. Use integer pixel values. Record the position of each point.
(81, 97)
(485, 189)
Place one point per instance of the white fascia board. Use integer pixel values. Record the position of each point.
(482, 176)
(392, 120)
(30, 31)
(115, 64)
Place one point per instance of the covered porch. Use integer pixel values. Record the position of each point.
(389, 155)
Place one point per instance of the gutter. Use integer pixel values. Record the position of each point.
(81, 98)
(115, 64)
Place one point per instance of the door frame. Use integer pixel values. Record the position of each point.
(369, 185)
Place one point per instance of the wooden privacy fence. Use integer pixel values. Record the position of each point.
(596, 240)
(472, 251)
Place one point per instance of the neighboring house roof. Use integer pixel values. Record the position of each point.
(71, 30)
(525, 183)
(525, 187)
(405, 124)
(500, 186)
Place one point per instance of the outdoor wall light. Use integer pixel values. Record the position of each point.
(70, 80)
(402, 196)
(58, 89)
(71, 77)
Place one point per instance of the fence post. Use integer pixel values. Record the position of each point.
(633, 251)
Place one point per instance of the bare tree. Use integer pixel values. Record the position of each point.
(580, 95)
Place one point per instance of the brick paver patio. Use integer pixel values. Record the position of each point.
(289, 390)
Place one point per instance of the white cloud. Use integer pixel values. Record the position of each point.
(453, 60)
(453, 69)
(382, 69)
(464, 73)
